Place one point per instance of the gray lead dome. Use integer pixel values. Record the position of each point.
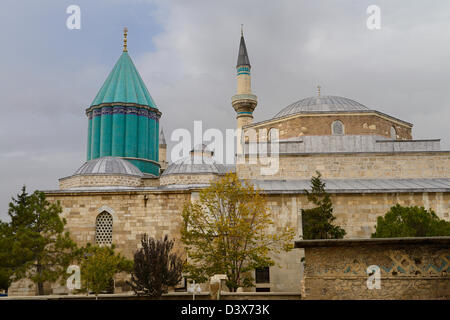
(108, 165)
(321, 104)
(195, 165)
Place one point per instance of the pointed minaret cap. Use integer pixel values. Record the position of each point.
(242, 56)
(162, 139)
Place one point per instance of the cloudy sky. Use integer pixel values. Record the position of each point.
(186, 53)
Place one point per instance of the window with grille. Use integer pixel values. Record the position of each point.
(337, 127)
(103, 228)
(262, 275)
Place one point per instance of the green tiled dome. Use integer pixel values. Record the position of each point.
(123, 120)
(124, 84)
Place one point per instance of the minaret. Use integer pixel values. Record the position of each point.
(244, 102)
(162, 151)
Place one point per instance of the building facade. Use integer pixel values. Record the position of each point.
(368, 160)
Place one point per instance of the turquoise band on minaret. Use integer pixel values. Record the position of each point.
(123, 120)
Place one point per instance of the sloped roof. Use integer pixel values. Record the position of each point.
(124, 84)
(321, 104)
(108, 165)
(243, 56)
(357, 185)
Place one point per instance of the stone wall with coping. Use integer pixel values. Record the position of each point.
(410, 268)
(353, 166)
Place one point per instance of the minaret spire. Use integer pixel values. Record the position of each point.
(243, 59)
(244, 102)
(125, 32)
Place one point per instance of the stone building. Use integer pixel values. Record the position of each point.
(367, 158)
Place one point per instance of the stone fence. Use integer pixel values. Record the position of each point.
(394, 268)
(169, 296)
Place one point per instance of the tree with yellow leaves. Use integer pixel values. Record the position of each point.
(229, 230)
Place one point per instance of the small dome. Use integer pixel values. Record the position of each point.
(321, 104)
(200, 161)
(108, 165)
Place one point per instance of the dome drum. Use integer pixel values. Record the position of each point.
(102, 172)
(199, 167)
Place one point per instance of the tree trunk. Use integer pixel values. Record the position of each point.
(40, 285)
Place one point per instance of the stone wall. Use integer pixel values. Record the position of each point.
(150, 182)
(353, 166)
(357, 213)
(409, 268)
(158, 213)
(133, 212)
(187, 179)
(98, 180)
(320, 124)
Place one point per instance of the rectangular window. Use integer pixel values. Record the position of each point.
(262, 275)
(262, 289)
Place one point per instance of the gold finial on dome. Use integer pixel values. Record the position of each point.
(318, 90)
(125, 31)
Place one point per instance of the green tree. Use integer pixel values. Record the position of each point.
(318, 221)
(227, 231)
(414, 221)
(6, 259)
(39, 248)
(5, 279)
(98, 267)
(155, 267)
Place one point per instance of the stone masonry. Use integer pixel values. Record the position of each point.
(409, 268)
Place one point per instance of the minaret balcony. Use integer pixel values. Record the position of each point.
(246, 98)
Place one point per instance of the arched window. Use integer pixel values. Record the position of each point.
(393, 133)
(337, 127)
(273, 135)
(103, 228)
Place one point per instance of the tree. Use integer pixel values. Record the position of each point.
(98, 267)
(317, 222)
(414, 221)
(155, 267)
(227, 232)
(39, 248)
(6, 261)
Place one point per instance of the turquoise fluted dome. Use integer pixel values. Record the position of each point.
(124, 120)
(124, 84)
